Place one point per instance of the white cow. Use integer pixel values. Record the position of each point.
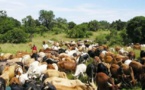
(80, 69)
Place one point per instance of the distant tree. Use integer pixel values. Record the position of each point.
(93, 25)
(29, 25)
(118, 25)
(71, 25)
(79, 31)
(46, 18)
(60, 24)
(3, 13)
(104, 25)
(136, 29)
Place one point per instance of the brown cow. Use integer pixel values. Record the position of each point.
(131, 55)
(105, 82)
(55, 73)
(67, 84)
(123, 72)
(8, 73)
(67, 65)
(137, 46)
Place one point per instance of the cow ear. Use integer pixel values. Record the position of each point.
(119, 84)
(110, 85)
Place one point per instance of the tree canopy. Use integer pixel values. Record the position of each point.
(136, 29)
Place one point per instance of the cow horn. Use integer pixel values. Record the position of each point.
(30, 88)
(119, 84)
(46, 87)
(109, 84)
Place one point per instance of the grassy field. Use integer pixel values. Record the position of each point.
(37, 40)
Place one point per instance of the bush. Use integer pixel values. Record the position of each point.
(101, 39)
(16, 35)
(57, 30)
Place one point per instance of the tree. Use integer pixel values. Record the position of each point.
(79, 31)
(118, 25)
(60, 25)
(93, 25)
(8, 23)
(71, 25)
(104, 25)
(136, 29)
(3, 13)
(16, 35)
(46, 18)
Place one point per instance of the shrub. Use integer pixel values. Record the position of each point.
(16, 35)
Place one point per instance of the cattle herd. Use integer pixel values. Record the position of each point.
(106, 68)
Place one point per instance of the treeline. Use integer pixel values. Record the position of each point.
(14, 31)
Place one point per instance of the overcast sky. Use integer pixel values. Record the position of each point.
(77, 11)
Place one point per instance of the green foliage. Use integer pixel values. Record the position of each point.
(136, 29)
(71, 25)
(16, 35)
(104, 25)
(124, 36)
(46, 18)
(114, 38)
(60, 25)
(101, 39)
(8, 23)
(118, 25)
(93, 25)
(57, 30)
(79, 31)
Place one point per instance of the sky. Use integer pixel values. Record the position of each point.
(78, 11)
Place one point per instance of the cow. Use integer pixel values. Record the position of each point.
(83, 58)
(67, 66)
(55, 73)
(124, 73)
(66, 84)
(80, 69)
(131, 55)
(136, 46)
(92, 69)
(8, 73)
(104, 82)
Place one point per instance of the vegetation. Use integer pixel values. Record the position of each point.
(118, 32)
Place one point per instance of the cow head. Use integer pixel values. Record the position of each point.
(114, 86)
